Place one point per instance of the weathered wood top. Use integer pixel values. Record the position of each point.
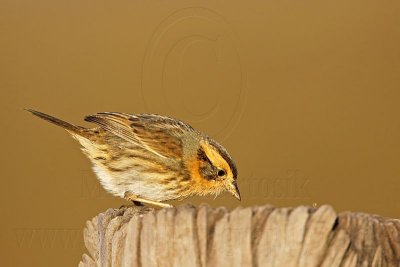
(253, 236)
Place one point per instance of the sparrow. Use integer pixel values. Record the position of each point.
(148, 158)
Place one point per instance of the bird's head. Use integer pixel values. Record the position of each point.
(214, 170)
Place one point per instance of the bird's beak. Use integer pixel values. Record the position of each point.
(234, 190)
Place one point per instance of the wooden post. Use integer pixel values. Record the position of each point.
(254, 236)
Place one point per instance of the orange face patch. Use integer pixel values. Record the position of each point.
(216, 158)
(200, 184)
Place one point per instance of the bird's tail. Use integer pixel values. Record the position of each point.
(73, 129)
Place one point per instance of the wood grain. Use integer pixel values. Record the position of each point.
(253, 236)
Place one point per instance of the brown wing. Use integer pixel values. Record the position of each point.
(158, 134)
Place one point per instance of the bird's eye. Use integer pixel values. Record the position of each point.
(221, 173)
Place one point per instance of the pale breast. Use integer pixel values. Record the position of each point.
(124, 167)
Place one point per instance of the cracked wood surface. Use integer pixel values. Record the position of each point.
(253, 236)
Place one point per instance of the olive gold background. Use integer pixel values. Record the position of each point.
(303, 94)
